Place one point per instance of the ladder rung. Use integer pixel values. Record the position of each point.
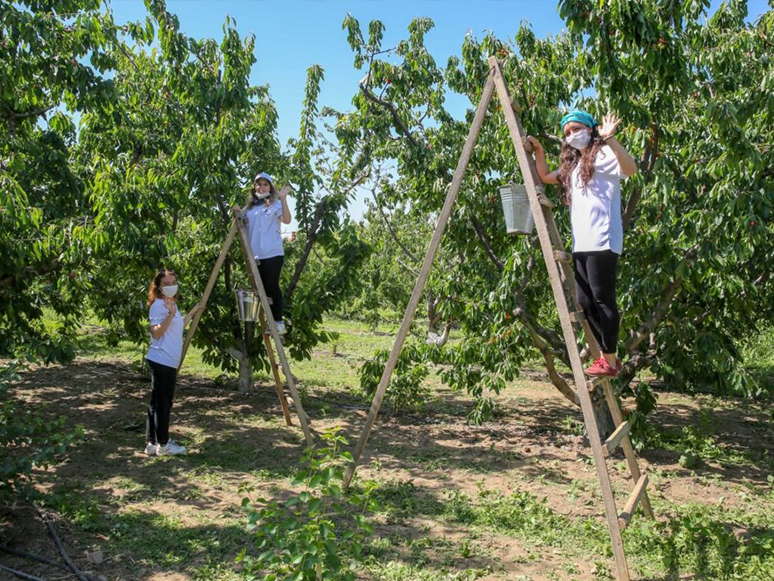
(631, 504)
(592, 383)
(544, 200)
(562, 256)
(271, 302)
(577, 317)
(615, 438)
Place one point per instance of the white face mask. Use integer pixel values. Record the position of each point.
(579, 139)
(259, 196)
(169, 291)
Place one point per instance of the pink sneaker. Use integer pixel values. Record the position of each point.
(601, 367)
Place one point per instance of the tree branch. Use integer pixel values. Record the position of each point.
(7, 281)
(548, 356)
(391, 229)
(412, 271)
(647, 162)
(551, 138)
(658, 313)
(650, 325)
(310, 239)
(33, 113)
(479, 228)
(399, 125)
(319, 212)
(633, 365)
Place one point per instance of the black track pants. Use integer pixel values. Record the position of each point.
(595, 277)
(269, 269)
(163, 379)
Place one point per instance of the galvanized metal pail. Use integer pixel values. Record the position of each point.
(248, 305)
(518, 215)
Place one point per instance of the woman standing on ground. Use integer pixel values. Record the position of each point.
(166, 330)
(593, 163)
(267, 209)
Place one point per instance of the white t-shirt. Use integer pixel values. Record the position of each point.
(595, 210)
(168, 348)
(263, 229)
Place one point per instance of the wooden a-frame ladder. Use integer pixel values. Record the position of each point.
(238, 226)
(560, 273)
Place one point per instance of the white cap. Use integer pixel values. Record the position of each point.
(265, 176)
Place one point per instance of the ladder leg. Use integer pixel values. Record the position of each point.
(611, 512)
(626, 445)
(275, 372)
(408, 315)
(208, 290)
(291, 385)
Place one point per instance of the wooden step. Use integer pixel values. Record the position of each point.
(577, 317)
(615, 438)
(562, 256)
(631, 504)
(593, 382)
(544, 201)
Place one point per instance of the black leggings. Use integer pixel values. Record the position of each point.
(269, 269)
(595, 284)
(163, 379)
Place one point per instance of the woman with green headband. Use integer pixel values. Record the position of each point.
(593, 163)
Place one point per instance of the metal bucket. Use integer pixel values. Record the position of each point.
(518, 215)
(248, 305)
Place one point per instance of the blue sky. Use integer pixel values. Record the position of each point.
(292, 35)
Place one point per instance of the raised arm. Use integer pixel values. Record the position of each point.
(607, 132)
(286, 217)
(158, 330)
(546, 176)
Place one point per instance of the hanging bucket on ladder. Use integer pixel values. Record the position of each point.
(248, 305)
(518, 215)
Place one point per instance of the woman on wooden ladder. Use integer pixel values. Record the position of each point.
(593, 163)
(265, 210)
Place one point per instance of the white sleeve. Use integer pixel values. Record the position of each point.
(158, 312)
(252, 222)
(609, 164)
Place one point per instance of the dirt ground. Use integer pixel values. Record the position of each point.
(179, 519)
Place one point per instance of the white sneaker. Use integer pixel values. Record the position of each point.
(280, 327)
(151, 449)
(171, 448)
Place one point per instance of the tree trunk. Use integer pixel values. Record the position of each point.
(433, 319)
(605, 421)
(245, 379)
(436, 335)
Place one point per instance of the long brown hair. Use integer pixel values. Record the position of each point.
(570, 157)
(154, 290)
